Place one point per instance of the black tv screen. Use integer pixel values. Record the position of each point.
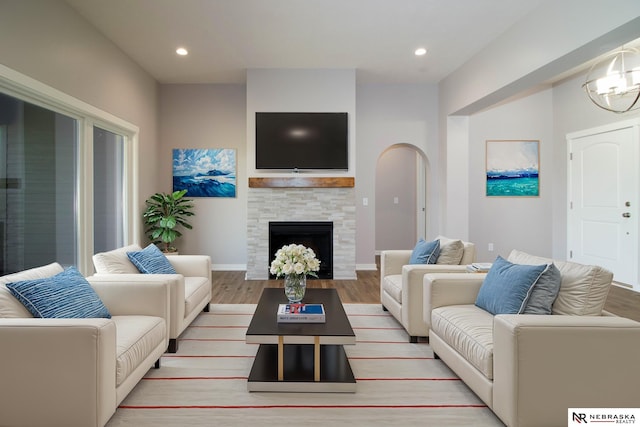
(302, 141)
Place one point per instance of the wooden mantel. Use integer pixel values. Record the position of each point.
(302, 182)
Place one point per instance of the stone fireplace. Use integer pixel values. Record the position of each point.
(292, 204)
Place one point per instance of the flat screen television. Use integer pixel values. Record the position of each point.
(302, 141)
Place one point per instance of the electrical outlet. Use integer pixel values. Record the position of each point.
(490, 248)
(365, 201)
(395, 201)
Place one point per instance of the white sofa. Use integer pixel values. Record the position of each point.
(75, 372)
(401, 283)
(530, 369)
(190, 289)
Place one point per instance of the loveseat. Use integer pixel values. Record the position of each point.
(74, 372)
(401, 282)
(531, 368)
(190, 288)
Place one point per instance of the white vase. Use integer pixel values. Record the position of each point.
(295, 285)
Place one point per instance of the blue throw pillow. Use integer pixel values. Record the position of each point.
(507, 287)
(151, 260)
(65, 295)
(425, 252)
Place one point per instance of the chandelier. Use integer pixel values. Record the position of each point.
(614, 83)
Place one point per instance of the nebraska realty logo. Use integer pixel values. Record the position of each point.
(602, 416)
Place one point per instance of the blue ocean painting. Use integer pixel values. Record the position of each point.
(205, 172)
(513, 168)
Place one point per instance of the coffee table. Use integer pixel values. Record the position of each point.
(301, 357)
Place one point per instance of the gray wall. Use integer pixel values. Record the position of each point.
(396, 207)
(522, 223)
(390, 114)
(68, 54)
(50, 42)
(554, 39)
(208, 116)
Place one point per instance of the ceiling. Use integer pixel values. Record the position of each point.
(377, 38)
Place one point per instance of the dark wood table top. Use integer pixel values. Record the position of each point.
(264, 327)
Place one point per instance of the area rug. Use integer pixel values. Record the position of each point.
(205, 383)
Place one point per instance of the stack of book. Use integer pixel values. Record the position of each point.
(479, 267)
(301, 313)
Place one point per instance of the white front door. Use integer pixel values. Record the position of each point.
(603, 200)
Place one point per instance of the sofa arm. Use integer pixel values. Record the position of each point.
(413, 290)
(449, 289)
(391, 261)
(124, 298)
(560, 362)
(191, 265)
(57, 372)
(143, 294)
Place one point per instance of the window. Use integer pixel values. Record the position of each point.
(67, 176)
(108, 190)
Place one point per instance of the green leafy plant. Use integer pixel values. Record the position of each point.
(165, 213)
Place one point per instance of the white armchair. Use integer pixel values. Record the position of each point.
(401, 283)
(190, 289)
(75, 372)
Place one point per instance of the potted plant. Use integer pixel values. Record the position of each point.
(164, 214)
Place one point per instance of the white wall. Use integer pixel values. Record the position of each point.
(523, 223)
(208, 116)
(389, 115)
(50, 42)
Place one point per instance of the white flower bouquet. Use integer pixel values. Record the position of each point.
(295, 259)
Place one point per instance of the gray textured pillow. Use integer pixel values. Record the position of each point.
(450, 252)
(544, 291)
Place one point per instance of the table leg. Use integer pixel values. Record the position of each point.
(316, 359)
(280, 358)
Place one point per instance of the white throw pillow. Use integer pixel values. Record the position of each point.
(116, 261)
(9, 305)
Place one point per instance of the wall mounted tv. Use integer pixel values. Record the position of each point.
(302, 141)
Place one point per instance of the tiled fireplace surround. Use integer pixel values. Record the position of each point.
(301, 204)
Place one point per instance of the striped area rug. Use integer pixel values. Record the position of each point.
(205, 383)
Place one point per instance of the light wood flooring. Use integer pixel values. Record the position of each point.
(230, 287)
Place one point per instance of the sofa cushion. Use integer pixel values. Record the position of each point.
(136, 336)
(583, 289)
(451, 251)
(544, 291)
(9, 305)
(116, 261)
(195, 290)
(425, 252)
(507, 286)
(392, 285)
(64, 295)
(151, 260)
(469, 330)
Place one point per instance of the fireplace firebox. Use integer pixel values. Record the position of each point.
(317, 235)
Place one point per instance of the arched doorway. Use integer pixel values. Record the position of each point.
(401, 195)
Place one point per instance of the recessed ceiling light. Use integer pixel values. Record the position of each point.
(420, 51)
(182, 51)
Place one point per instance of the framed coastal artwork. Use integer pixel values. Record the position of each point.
(513, 168)
(207, 172)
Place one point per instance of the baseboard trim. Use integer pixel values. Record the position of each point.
(229, 267)
(367, 267)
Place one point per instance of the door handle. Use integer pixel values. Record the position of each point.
(626, 215)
